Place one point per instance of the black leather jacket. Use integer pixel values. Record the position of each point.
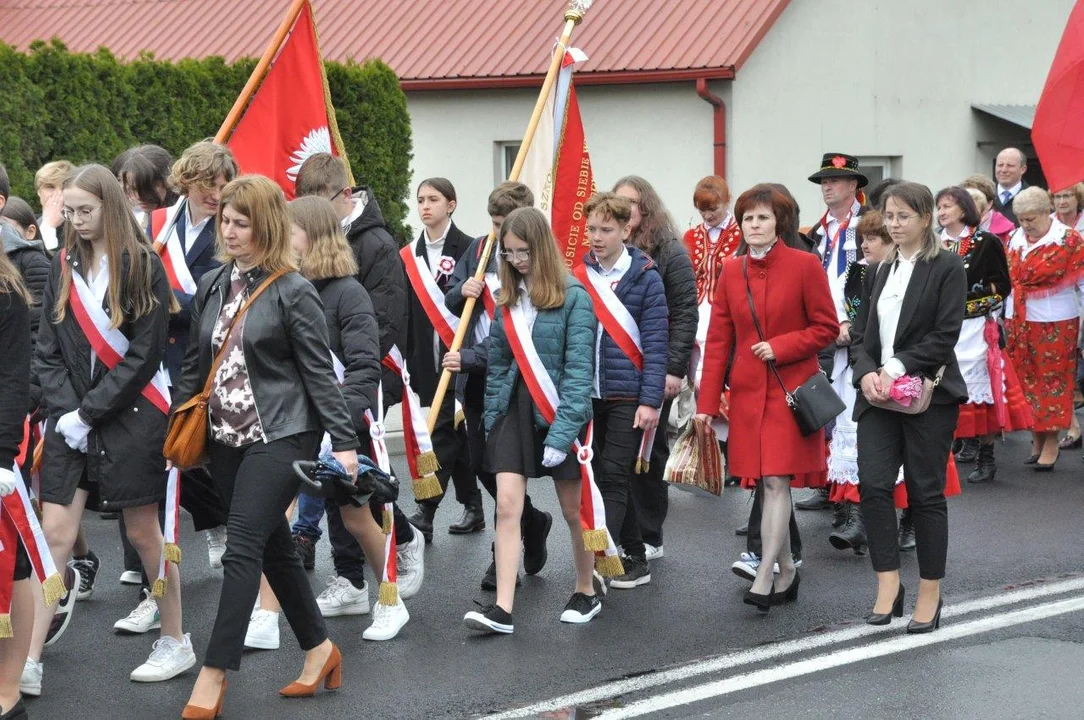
(285, 342)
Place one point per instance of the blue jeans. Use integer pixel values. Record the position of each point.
(310, 510)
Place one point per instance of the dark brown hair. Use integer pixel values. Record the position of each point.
(656, 226)
(321, 174)
(780, 203)
(144, 171)
(19, 210)
(964, 201)
(871, 223)
(441, 185)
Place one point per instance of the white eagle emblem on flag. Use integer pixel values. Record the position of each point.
(318, 140)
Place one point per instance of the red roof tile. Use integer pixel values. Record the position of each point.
(477, 42)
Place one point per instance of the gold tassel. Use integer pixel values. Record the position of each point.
(173, 553)
(642, 466)
(427, 487)
(595, 540)
(385, 522)
(158, 588)
(427, 463)
(609, 565)
(5, 626)
(389, 594)
(459, 418)
(52, 589)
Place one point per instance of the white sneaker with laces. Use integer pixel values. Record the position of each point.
(131, 577)
(216, 546)
(263, 631)
(143, 619)
(410, 565)
(169, 658)
(30, 681)
(654, 553)
(388, 620)
(340, 597)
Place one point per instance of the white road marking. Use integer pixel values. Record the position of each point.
(781, 649)
(842, 657)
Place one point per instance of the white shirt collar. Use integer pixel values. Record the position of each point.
(760, 253)
(190, 226)
(855, 207)
(1012, 190)
(360, 200)
(439, 242)
(620, 267)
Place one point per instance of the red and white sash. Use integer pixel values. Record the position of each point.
(108, 343)
(429, 293)
(489, 303)
(619, 324)
(171, 552)
(596, 537)
(167, 243)
(421, 458)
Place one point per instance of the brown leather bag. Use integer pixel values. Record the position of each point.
(186, 437)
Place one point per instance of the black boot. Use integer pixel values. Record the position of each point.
(535, 531)
(423, 520)
(818, 501)
(853, 533)
(969, 450)
(840, 517)
(472, 521)
(907, 532)
(985, 469)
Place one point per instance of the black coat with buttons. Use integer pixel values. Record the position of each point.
(124, 448)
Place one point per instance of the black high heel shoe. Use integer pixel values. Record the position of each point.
(762, 603)
(917, 628)
(790, 594)
(1046, 467)
(886, 618)
(1032, 459)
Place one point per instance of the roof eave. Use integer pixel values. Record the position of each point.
(622, 77)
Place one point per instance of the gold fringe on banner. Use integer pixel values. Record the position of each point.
(609, 565)
(642, 466)
(173, 553)
(427, 487)
(5, 626)
(389, 594)
(427, 463)
(53, 588)
(385, 522)
(459, 418)
(158, 588)
(595, 540)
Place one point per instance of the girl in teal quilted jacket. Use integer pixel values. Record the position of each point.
(555, 311)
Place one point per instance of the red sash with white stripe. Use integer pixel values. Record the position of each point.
(167, 243)
(619, 324)
(596, 536)
(489, 303)
(430, 295)
(421, 459)
(108, 343)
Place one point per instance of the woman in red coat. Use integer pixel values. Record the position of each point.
(797, 315)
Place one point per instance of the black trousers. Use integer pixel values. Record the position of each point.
(451, 447)
(921, 444)
(752, 540)
(615, 447)
(257, 484)
(650, 493)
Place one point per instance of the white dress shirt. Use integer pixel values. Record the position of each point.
(889, 305)
(613, 276)
(99, 286)
(1013, 191)
(192, 230)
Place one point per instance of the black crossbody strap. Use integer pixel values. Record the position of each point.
(760, 331)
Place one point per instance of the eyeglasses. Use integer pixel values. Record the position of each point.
(332, 198)
(516, 255)
(82, 213)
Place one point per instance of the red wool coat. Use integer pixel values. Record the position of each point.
(796, 311)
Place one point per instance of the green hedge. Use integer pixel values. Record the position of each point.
(57, 104)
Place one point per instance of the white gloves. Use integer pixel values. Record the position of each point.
(7, 482)
(74, 430)
(552, 458)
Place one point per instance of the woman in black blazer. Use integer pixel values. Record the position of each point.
(908, 327)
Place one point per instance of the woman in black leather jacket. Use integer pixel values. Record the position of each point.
(273, 396)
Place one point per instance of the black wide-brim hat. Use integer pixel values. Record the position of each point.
(839, 165)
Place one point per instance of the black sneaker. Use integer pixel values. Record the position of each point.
(489, 580)
(489, 619)
(535, 553)
(63, 615)
(88, 572)
(637, 572)
(581, 608)
(306, 548)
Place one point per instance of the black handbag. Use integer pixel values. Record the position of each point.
(814, 403)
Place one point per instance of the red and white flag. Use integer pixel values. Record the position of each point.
(290, 116)
(558, 165)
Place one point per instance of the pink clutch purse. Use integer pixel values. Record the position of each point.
(910, 394)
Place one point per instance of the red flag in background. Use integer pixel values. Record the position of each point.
(290, 116)
(558, 166)
(1058, 129)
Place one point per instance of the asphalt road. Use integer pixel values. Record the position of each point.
(1023, 528)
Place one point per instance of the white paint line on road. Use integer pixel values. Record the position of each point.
(842, 657)
(776, 650)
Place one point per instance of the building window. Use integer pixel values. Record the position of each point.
(504, 158)
(879, 167)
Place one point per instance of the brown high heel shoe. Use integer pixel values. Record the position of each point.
(331, 675)
(194, 712)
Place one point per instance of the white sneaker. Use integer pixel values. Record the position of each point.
(340, 597)
(410, 566)
(654, 553)
(388, 620)
(30, 682)
(131, 577)
(216, 546)
(143, 619)
(169, 658)
(263, 631)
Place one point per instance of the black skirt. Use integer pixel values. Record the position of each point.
(515, 443)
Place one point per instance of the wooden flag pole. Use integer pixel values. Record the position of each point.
(573, 16)
(261, 69)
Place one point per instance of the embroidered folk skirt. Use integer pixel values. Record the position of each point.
(1044, 354)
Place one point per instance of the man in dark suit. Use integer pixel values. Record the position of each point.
(1009, 173)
